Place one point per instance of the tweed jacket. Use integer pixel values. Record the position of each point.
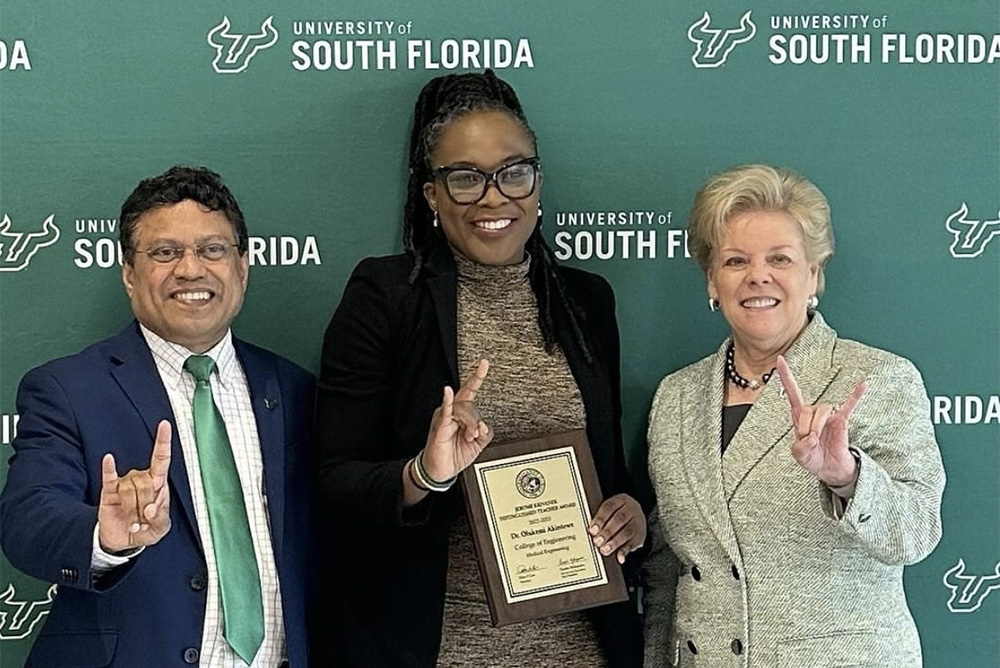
(754, 562)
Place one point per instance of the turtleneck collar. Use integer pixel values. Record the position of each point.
(474, 273)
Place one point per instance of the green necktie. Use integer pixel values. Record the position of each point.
(239, 579)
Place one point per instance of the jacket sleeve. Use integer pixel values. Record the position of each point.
(896, 508)
(660, 576)
(660, 568)
(609, 320)
(47, 524)
(359, 476)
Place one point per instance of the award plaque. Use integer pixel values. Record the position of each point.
(529, 505)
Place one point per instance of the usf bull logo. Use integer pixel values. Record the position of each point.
(233, 52)
(17, 248)
(971, 236)
(712, 46)
(19, 618)
(969, 591)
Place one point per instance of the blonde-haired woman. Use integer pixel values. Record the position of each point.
(786, 508)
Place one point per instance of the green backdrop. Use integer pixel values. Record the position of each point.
(892, 108)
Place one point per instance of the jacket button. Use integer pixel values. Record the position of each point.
(197, 583)
(696, 573)
(694, 650)
(736, 646)
(736, 572)
(190, 655)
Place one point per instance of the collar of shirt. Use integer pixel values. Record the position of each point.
(170, 357)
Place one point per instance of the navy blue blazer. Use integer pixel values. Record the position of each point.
(109, 398)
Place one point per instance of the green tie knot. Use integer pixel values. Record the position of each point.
(200, 366)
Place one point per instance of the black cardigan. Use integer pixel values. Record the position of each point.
(389, 350)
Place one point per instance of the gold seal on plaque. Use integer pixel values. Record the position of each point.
(530, 483)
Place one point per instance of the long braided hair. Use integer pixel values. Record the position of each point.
(442, 101)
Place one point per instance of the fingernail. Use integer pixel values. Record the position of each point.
(133, 528)
(593, 529)
(599, 541)
(621, 558)
(606, 549)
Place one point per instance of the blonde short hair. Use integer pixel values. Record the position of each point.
(749, 188)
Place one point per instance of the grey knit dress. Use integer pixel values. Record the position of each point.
(527, 393)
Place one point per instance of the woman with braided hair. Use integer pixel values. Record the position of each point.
(477, 282)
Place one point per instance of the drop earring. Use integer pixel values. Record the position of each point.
(436, 221)
(713, 304)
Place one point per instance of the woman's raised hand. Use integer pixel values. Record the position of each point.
(458, 433)
(821, 445)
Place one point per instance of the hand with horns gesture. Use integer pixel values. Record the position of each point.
(821, 445)
(458, 433)
(134, 510)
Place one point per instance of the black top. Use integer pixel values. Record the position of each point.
(732, 418)
(389, 350)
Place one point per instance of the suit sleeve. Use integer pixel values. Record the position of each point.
(608, 321)
(896, 508)
(659, 570)
(359, 476)
(660, 575)
(48, 525)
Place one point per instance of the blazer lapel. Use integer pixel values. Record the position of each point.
(770, 419)
(266, 399)
(443, 286)
(134, 370)
(701, 444)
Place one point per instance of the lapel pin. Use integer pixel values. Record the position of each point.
(270, 403)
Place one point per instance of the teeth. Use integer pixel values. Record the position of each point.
(762, 302)
(493, 224)
(193, 296)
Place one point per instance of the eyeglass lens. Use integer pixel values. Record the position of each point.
(467, 186)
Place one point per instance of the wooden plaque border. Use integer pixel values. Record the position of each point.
(502, 612)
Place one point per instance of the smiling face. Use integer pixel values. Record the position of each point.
(495, 229)
(762, 277)
(189, 301)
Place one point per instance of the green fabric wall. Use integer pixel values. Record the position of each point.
(94, 96)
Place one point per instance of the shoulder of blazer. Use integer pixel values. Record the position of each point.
(856, 355)
(107, 352)
(388, 277)
(594, 295)
(587, 287)
(386, 268)
(858, 359)
(692, 375)
(666, 400)
(250, 353)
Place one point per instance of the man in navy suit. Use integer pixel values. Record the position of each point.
(198, 553)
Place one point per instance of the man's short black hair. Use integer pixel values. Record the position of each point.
(173, 186)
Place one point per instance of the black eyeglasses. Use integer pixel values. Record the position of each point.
(468, 185)
(211, 252)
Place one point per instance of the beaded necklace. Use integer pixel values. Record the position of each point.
(734, 375)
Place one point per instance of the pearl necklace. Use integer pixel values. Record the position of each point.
(734, 375)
